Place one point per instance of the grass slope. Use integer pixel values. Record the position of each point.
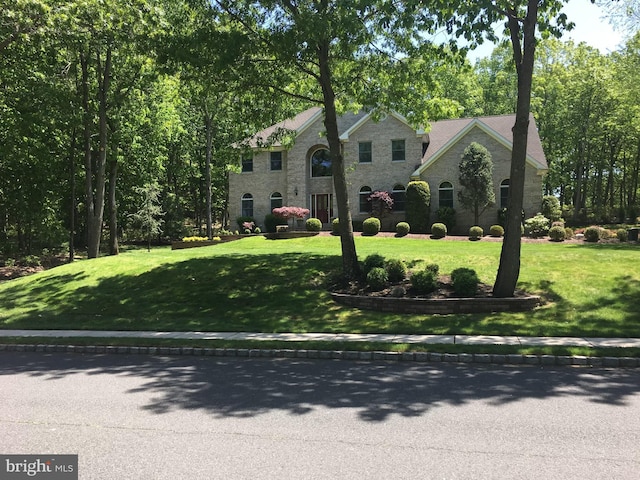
(276, 286)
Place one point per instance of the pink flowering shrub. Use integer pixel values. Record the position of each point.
(291, 212)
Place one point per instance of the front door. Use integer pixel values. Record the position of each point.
(322, 206)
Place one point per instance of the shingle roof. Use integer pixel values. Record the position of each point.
(445, 133)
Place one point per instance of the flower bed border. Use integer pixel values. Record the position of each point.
(439, 306)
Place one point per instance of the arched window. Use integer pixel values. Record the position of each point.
(321, 163)
(445, 195)
(276, 200)
(365, 204)
(399, 196)
(504, 193)
(247, 205)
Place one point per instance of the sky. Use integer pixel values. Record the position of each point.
(590, 28)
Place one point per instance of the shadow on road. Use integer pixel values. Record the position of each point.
(232, 387)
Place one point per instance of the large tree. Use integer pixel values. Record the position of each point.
(329, 53)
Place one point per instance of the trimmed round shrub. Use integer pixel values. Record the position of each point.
(371, 226)
(622, 234)
(557, 234)
(402, 229)
(439, 230)
(496, 231)
(313, 225)
(257, 230)
(377, 278)
(372, 261)
(464, 282)
(424, 281)
(335, 226)
(592, 234)
(476, 233)
(396, 269)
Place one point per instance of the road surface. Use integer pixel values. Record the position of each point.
(144, 417)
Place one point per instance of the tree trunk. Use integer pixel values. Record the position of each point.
(72, 188)
(114, 248)
(350, 267)
(509, 268)
(208, 121)
(95, 180)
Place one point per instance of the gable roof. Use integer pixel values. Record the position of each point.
(367, 117)
(446, 133)
(302, 122)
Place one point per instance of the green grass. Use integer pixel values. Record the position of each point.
(277, 286)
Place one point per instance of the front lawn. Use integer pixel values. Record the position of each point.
(263, 285)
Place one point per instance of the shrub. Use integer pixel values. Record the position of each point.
(592, 234)
(402, 229)
(557, 234)
(476, 233)
(241, 221)
(32, 261)
(335, 226)
(446, 215)
(371, 226)
(568, 233)
(396, 269)
(537, 226)
(377, 278)
(496, 231)
(551, 208)
(424, 281)
(257, 230)
(10, 262)
(271, 221)
(194, 239)
(372, 261)
(439, 230)
(417, 203)
(464, 282)
(606, 233)
(433, 267)
(622, 235)
(313, 225)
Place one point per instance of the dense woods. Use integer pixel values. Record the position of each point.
(100, 100)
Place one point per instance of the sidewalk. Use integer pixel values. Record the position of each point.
(339, 337)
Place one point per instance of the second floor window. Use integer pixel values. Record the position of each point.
(276, 161)
(365, 152)
(247, 164)
(398, 151)
(321, 163)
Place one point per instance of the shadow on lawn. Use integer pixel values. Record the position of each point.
(251, 387)
(283, 293)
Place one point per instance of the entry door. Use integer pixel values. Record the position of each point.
(322, 206)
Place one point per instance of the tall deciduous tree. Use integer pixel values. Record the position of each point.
(330, 53)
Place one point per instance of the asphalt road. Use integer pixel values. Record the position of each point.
(142, 417)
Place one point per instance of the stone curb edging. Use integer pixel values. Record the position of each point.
(423, 357)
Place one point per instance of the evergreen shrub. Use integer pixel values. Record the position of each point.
(439, 230)
(622, 234)
(424, 281)
(374, 260)
(496, 231)
(402, 229)
(313, 225)
(396, 269)
(377, 278)
(476, 233)
(557, 234)
(464, 282)
(592, 234)
(371, 226)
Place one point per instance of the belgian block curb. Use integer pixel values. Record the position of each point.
(351, 355)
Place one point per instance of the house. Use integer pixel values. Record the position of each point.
(384, 154)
